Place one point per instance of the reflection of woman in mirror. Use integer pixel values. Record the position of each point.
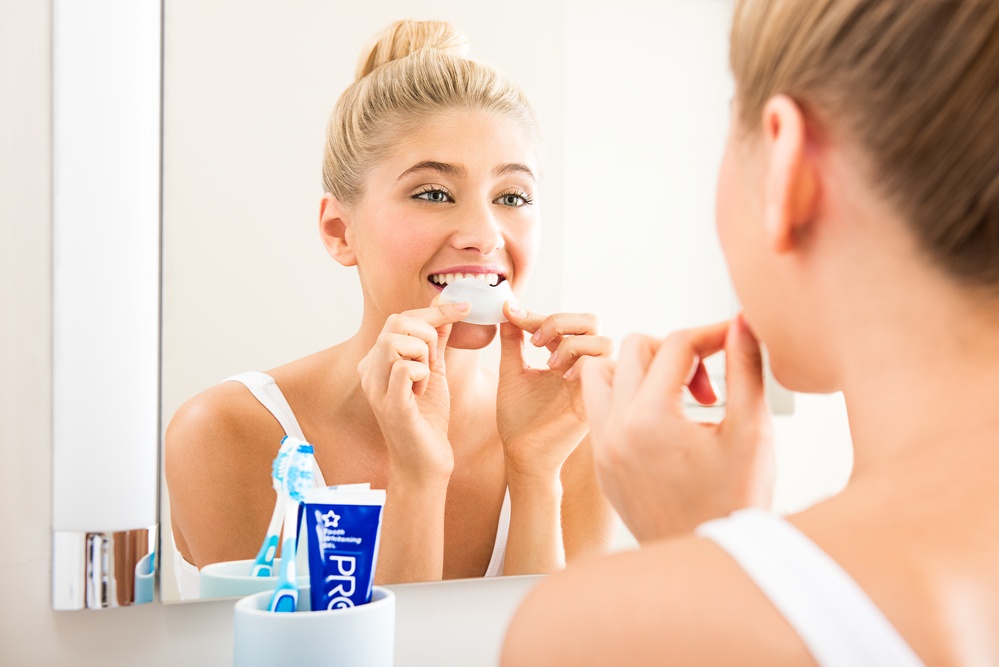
(431, 171)
(858, 209)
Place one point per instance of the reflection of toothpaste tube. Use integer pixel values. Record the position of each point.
(344, 525)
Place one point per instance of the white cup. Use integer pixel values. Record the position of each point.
(362, 636)
(231, 579)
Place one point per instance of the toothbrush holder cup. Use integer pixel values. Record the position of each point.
(361, 636)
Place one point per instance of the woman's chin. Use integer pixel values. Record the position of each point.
(465, 336)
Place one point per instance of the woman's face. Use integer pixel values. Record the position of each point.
(772, 290)
(739, 212)
(458, 196)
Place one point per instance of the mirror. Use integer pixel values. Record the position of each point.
(633, 101)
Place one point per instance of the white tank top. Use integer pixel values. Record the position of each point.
(265, 390)
(839, 623)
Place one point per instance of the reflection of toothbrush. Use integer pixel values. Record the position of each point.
(296, 480)
(263, 566)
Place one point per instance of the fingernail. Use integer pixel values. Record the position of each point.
(462, 307)
(515, 308)
(551, 359)
(536, 338)
(570, 374)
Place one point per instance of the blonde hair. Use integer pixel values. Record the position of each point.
(915, 83)
(412, 70)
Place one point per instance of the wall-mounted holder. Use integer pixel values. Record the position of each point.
(106, 126)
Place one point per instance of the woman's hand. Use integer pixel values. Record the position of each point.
(664, 473)
(403, 377)
(540, 412)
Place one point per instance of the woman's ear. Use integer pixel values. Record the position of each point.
(792, 181)
(335, 230)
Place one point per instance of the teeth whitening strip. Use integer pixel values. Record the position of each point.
(487, 301)
(344, 526)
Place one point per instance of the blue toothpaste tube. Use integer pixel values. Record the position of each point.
(343, 526)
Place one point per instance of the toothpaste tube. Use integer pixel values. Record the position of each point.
(343, 526)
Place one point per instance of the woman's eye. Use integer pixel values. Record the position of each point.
(514, 199)
(435, 195)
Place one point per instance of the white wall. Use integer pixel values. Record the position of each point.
(649, 88)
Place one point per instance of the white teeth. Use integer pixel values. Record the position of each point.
(491, 279)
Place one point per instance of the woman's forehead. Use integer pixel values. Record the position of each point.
(461, 143)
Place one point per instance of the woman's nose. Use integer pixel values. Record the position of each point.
(479, 230)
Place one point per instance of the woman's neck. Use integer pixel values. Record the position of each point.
(922, 389)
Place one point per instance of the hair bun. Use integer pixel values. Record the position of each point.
(408, 36)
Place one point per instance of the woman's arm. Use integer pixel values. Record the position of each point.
(588, 519)
(404, 379)
(541, 421)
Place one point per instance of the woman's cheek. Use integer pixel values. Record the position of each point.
(523, 249)
(724, 202)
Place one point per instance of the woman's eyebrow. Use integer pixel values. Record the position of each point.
(514, 167)
(440, 167)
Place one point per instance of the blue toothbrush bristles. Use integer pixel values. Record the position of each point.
(279, 467)
(298, 478)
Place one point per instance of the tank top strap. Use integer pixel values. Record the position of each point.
(832, 614)
(266, 391)
(495, 568)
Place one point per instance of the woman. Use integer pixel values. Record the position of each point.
(431, 171)
(858, 210)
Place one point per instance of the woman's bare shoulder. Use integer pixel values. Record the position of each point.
(218, 451)
(925, 550)
(681, 601)
(219, 414)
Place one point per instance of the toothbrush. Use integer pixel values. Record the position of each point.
(296, 480)
(263, 566)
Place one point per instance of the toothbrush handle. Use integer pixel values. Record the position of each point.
(263, 565)
(289, 549)
(285, 598)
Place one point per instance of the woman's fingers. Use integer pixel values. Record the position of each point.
(416, 337)
(572, 348)
(700, 386)
(405, 379)
(743, 371)
(427, 323)
(511, 349)
(438, 314)
(637, 353)
(598, 389)
(378, 365)
(568, 336)
(676, 365)
(547, 330)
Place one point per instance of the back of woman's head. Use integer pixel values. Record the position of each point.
(915, 84)
(414, 69)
